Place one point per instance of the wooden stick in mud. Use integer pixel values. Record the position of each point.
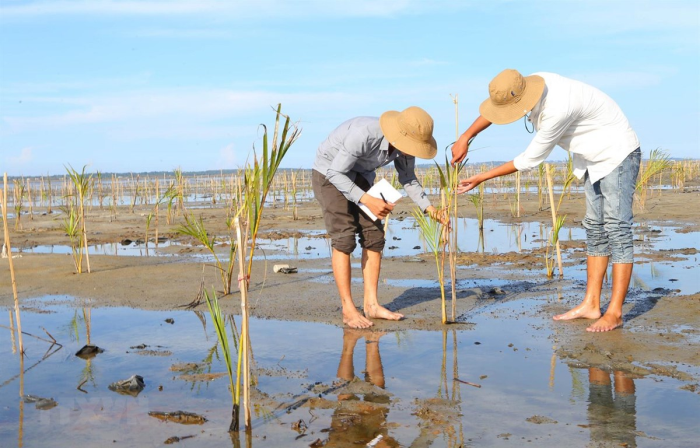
(243, 341)
(13, 330)
(550, 184)
(517, 193)
(467, 383)
(9, 259)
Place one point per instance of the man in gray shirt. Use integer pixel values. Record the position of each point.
(343, 171)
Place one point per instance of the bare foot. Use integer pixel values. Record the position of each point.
(354, 319)
(605, 323)
(583, 311)
(379, 312)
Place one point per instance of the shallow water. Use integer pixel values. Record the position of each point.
(404, 240)
(507, 350)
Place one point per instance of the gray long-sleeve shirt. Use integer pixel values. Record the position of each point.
(358, 147)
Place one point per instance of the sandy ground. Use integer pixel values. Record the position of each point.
(656, 345)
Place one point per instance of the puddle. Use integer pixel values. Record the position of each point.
(404, 386)
(404, 240)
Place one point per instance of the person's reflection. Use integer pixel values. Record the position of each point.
(612, 417)
(355, 421)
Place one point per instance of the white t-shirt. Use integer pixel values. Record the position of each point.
(582, 120)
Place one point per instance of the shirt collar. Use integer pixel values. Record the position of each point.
(537, 109)
(384, 145)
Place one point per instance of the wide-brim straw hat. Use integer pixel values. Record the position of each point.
(511, 96)
(410, 131)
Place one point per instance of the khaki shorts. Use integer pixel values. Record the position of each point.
(344, 220)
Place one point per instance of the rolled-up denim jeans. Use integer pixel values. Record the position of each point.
(608, 220)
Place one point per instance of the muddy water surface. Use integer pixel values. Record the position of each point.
(320, 383)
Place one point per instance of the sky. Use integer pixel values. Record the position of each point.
(150, 85)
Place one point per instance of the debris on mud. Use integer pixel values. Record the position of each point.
(154, 352)
(299, 426)
(176, 439)
(284, 269)
(181, 417)
(201, 377)
(184, 367)
(40, 403)
(540, 419)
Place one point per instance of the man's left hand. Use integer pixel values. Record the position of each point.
(439, 215)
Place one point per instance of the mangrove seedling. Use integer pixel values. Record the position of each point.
(657, 163)
(219, 321)
(195, 228)
(81, 182)
(258, 180)
(433, 232)
(71, 225)
(449, 181)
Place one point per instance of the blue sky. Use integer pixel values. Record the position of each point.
(133, 86)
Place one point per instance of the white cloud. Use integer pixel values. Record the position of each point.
(198, 105)
(226, 9)
(671, 20)
(24, 157)
(192, 33)
(427, 62)
(227, 158)
(621, 80)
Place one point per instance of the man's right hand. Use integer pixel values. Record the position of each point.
(459, 150)
(377, 206)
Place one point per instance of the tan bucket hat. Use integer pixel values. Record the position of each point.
(511, 96)
(410, 131)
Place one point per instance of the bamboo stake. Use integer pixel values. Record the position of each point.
(157, 209)
(12, 268)
(29, 200)
(243, 342)
(454, 236)
(554, 215)
(517, 192)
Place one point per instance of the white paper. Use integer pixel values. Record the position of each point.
(381, 188)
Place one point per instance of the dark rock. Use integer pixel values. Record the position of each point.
(40, 403)
(89, 351)
(130, 386)
(170, 320)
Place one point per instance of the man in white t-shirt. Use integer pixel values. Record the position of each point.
(589, 124)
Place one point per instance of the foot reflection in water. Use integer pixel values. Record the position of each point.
(612, 409)
(361, 414)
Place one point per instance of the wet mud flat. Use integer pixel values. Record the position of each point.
(509, 375)
(317, 384)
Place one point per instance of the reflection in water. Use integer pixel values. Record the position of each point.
(611, 409)
(12, 333)
(361, 422)
(441, 416)
(481, 244)
(20, 432)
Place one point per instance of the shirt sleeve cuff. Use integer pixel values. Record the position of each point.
(355, 194)
(521, 163)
